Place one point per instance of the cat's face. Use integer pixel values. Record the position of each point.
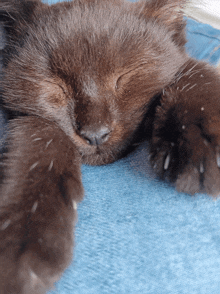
(93, 69)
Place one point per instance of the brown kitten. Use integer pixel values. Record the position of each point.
(87, 79)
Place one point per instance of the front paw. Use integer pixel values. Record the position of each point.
(34, 251)
(38, 200)
(185, 146)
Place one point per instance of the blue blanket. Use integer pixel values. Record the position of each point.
(137, 235)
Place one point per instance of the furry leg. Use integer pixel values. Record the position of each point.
(39, 195)
(186, 137)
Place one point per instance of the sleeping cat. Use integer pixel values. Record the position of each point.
(84, 82)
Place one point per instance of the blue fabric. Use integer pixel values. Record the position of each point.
(136, 234)
(203, 41)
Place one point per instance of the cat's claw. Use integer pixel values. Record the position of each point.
(218, 158)
(185, 145)
(166, 162)
(34, 279)
(201, 168)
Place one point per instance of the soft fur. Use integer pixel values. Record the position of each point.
(84, 82)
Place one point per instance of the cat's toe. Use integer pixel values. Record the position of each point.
(185, 149)
(188, 181)
(167, 162)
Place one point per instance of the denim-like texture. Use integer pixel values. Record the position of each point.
(203, 41)
(137, 235)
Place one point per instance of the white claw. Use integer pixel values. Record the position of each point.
(34, 207)
(50, 166)
(5, 225)
(74, 205)
(206, 142)
(33, 166)
(35, 280)
(167, 162)
(48, 143)
(37, 139)
(201, 168)
(218, 159)
(34, 277)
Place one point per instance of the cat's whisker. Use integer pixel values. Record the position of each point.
(189, 71)
(195, 72)
(191, 87)
(184, 87)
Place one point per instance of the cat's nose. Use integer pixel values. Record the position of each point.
(95, 137)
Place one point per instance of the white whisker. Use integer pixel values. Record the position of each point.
(191, 87)
(184, 87)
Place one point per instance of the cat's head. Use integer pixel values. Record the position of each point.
(93, 66)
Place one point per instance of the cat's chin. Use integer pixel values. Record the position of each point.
(99, 155)
(102, 154)
(98, 159)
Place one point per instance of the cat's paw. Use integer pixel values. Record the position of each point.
(38, 206)
(35, 246)
(185, 146)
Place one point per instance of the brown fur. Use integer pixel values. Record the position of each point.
(89, 79)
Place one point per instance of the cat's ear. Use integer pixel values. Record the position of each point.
(18, 9)
(15, 14)
(167, 12)
(15, 17)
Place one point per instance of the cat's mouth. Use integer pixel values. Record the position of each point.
(102, 147)
(93, 147)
